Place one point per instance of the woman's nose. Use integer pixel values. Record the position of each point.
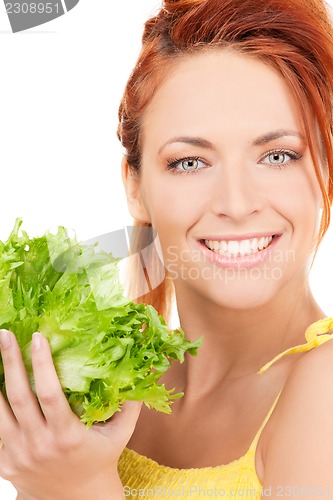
(235, 193)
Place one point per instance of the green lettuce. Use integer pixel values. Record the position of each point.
(106, 349)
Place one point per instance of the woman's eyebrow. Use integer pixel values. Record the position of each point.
(194, 141)
(203, 143)
(277, 134)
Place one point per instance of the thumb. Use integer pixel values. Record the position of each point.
(122, 423)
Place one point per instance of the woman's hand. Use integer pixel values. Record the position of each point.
(47, 452)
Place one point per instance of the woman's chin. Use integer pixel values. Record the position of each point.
(236, 295)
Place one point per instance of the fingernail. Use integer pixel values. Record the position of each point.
(36, 341)
(4, 339)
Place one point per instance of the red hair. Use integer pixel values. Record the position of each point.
(293, 36)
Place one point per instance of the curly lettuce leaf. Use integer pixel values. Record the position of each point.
(106, 349)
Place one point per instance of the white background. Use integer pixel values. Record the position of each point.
(61, 84)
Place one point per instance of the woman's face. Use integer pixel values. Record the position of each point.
(226, 173)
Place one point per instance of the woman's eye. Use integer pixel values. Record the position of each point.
(192, 164)
(280, 158)
(277, 157)
(186, 165)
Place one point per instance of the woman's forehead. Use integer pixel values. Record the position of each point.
(221, 90)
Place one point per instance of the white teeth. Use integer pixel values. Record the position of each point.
(245, 247)
(216, 246)
(261, 243)
(233, 248)
(254, 244)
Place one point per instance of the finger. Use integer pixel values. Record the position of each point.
(51, 398)
(8, 423)
(122, 424)
(20, 396)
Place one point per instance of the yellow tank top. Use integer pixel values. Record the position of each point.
(145, 478)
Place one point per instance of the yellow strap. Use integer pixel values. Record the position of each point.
(315, 335)
(256, 438)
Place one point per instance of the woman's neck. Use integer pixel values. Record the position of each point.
(238, 342)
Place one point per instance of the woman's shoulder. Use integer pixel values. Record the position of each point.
(299, 451)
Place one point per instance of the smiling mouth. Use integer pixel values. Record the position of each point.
(240, 248)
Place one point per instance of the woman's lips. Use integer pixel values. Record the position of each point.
(220, 251)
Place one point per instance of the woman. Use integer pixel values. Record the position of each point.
(227, 122)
